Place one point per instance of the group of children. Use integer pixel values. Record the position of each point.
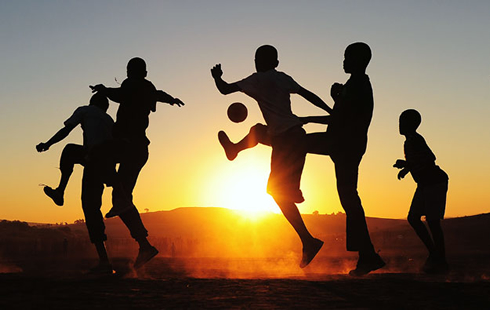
(105, 144)
(345, 141)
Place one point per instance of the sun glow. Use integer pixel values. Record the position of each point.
(242, 187)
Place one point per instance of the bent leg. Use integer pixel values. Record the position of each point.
(72, 154)
(257, 134)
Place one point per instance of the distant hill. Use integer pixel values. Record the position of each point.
(219, 232)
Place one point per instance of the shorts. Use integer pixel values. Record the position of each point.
(429, 200)
(287, 162)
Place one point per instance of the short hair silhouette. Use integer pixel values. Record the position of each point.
(410, 119)
(360, 52)
(266, 58)
(100, 101)
(136, 68)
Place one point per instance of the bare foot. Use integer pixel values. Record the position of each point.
(310, 250)
(227, 145)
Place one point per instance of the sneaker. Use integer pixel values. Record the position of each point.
(227, 145)
(309, 252)
(366, 265)
(101, 270)
(144, 256)
(55, 195)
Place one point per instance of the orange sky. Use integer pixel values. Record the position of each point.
(421, 59)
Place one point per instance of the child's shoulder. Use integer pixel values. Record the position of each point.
(415, 141)
(137, 83)
(416, 137)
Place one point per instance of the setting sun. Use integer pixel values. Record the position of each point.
(242, 186)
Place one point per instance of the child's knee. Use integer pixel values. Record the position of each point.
(434, 224)
(258, 129)
(413, 219)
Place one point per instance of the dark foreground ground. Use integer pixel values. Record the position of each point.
(174, 284)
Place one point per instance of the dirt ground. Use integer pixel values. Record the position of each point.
(167, 283)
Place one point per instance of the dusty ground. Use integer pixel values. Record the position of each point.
(174, 284)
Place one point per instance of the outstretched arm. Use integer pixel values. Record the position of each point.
(57, 137)
(166, 98)
(317, 101)
(114, 94)
(324, 119)
(223, 87)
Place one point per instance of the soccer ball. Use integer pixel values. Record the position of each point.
(237, 112)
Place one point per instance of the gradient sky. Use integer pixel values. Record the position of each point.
(433, 56)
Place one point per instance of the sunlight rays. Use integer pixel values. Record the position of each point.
(242, 187)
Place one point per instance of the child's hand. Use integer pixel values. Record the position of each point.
(216, 72)
(98, 88)
(402, 173)
(177, 101)
(42, 147)
(335, 90)
(400, 164)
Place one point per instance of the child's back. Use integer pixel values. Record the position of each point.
(272, 89)
(421, 161)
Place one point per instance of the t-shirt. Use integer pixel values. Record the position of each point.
(352, 113)
(96, 124)
(271, 90)
(421, 161)
(137, 98)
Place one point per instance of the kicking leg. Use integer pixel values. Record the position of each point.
(72, 154)
(258, 134)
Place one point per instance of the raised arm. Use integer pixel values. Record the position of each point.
(314, 99)
(57, 137)
(223, 87)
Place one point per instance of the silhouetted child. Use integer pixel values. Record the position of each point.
(272, 89)
(137, 98)
(430, 196)
(345, 141)
(97, 131)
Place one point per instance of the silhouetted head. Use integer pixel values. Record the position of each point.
(357, 57)
(100, 101)
(409, 121)
(266, 58)
(136, 68)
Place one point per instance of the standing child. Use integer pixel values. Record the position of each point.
(430, 196)
(272, 89)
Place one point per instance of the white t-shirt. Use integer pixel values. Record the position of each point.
(96, 124)
(272, 91)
